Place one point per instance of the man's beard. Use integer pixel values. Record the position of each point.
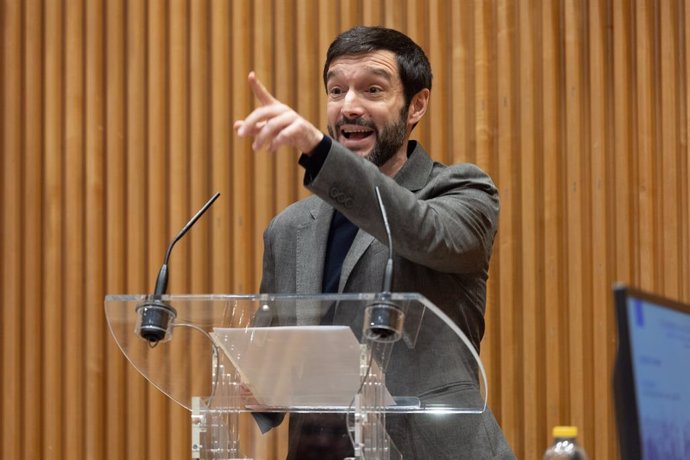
(388, 141)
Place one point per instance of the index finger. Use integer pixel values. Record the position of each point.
(260, 91)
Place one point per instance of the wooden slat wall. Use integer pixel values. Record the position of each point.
(115, 126)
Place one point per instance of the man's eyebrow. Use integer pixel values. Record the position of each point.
(381, 72)
(374, 70)
(331, 73)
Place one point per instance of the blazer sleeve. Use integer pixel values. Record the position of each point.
(448, 225)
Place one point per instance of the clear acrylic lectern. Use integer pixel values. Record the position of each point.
(240, 364)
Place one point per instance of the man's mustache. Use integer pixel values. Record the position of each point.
(355, 121)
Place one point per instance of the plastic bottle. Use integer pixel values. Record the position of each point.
(565, 445)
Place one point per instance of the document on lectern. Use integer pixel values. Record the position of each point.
(296, 366)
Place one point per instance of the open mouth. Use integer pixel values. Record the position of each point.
(356, 132)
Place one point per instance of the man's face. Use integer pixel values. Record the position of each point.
(366, 105)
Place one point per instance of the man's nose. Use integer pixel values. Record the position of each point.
(352, 107)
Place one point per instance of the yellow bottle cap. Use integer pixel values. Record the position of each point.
(565, 432)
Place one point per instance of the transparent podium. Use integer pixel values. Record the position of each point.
(335, 367)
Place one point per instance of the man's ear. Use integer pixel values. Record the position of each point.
(418, 106)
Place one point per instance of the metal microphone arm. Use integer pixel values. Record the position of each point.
(388, 272)
(383, 319)
(156, 316)
(162, 279)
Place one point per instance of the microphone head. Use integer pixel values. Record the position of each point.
(383, 321)
(155, 321)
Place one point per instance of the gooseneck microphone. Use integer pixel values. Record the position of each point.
(156, 316)
(383, 319)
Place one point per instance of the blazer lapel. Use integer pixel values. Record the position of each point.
(312, 239)
(359, 245)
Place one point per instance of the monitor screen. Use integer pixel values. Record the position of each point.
(652, 376)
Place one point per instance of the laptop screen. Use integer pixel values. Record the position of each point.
(652, 376)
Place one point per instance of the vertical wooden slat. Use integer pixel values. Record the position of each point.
(178, 134)
(199, 145)
(669, 162)
(371, 14)
(645, 140)
(33, 231)
(264, 165)
(622, 124)
(11, 220)
(221, 119)
(94, 207)
(416, 22)
(350, 14)
(199, 148)
(438, 125)
(53, 234)
(138, 278)
(242, 159)
(307, 71)
(484, 96)
(394, 14)
(123, 420)
(288, 176)
(462, 84)
(73, 221)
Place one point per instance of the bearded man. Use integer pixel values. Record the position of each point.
(443, 220)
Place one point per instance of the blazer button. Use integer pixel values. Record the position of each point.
(341, 197)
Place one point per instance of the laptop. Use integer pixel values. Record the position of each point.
(651, 380)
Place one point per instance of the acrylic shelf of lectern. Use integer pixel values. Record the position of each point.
(236, 361)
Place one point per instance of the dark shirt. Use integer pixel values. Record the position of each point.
(340, 237)
(342, 232)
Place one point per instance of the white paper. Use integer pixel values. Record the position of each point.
(296, 366)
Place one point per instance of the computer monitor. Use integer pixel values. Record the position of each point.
(651, 383)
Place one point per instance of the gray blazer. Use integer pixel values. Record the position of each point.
(443, 220)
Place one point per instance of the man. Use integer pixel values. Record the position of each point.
(442, 219)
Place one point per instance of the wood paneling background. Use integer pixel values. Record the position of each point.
(115, 126)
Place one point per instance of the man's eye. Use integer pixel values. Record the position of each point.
(335, 91)
(375, 90)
